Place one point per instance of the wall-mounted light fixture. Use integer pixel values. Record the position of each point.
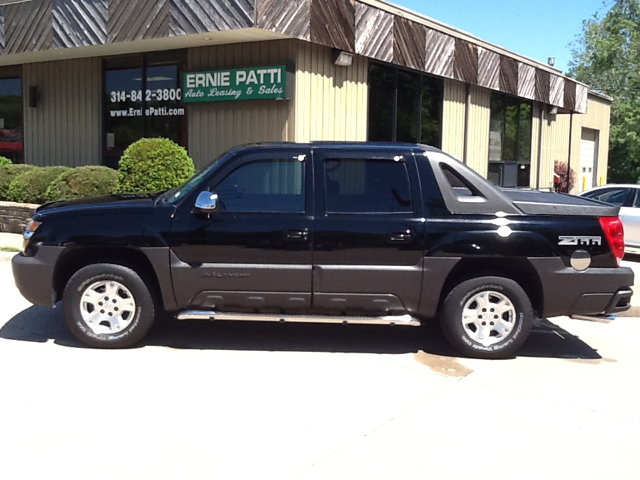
(553, 110)
(34, 96)
(342, 59)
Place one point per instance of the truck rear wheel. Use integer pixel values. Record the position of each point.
(108, 306)
(487, 317)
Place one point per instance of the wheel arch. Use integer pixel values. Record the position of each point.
(519, 270)
(73, 260)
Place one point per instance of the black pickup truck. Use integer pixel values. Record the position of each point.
(356, 233)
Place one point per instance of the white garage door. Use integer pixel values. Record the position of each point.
(588, 159)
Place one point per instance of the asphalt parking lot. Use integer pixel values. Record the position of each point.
(243, 400)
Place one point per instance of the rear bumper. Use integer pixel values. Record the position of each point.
(595, 291)
(34, 275)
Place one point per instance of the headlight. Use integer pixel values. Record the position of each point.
(29, 230)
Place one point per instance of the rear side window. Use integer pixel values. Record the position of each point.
(614, 196)
(367, 186)
(264, 186)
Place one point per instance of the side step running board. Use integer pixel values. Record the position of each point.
(255, 317)
(595, 318)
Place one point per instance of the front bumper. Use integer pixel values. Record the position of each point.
(34, 276)
(595, 291)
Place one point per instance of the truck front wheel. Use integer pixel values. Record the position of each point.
(487, 317)
(108, 306)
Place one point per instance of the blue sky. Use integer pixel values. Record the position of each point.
(535, 28)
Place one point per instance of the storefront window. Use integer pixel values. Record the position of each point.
(11, 138)
(510, 141)
(381, 102)
(404, 106)
(143, 98)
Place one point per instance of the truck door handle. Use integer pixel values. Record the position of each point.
(297, 235)
(401, 237)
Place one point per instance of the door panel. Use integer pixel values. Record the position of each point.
(630, 217)
(588, 159)
(368, 239)
(255, 253)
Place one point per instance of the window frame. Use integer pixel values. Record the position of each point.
(15, 74)
(507, 102)
(143, 62)
(319, 157)
(420, 100)
(214, 186)
(626, 202)
(234, 159)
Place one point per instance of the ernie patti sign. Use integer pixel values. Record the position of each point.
(259, 83)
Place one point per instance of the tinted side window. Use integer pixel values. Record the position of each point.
(616, 196)
(366, 186)
(264, 186)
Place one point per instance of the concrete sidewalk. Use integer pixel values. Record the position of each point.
(10, 240)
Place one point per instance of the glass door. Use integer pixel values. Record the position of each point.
(143, 99)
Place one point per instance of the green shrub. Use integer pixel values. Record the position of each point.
(153, 165)
(5, 161)
(80, 182)
(7, 174)
(31, 186)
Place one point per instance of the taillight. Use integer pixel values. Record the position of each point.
(614, 231)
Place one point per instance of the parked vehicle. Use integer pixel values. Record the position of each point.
(362, 233)
(627, 197)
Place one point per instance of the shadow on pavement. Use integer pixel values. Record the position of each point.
(39, 324)
(549, 340)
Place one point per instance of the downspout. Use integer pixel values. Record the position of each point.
(467, 122)
(570, 142)
(540, 127)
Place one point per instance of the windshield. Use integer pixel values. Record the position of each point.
(174, 194)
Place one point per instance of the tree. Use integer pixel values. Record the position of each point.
(607, 58)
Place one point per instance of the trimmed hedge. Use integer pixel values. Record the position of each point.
(152, 165)
(7, 174)
(5, 161)
(31, 186)
(80, 182)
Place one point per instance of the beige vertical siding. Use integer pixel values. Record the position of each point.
(327, 102)
(478, 137)
(331, 102)
(65, 127)
(453, 118)
(560, 130)
(535, 144)
(555, 144)
(215, 127)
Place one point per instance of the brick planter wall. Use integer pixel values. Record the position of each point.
(14, 216)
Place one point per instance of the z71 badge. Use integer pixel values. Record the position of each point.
(578, 240)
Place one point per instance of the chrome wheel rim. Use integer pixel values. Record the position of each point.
(488, 318)
(107, 307)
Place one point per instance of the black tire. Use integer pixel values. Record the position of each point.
(503, 311)
(131, 294)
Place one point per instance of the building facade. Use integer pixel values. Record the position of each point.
(80, 80)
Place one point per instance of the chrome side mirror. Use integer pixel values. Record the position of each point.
(207, 202)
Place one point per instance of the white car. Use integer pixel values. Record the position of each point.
(627, 197)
